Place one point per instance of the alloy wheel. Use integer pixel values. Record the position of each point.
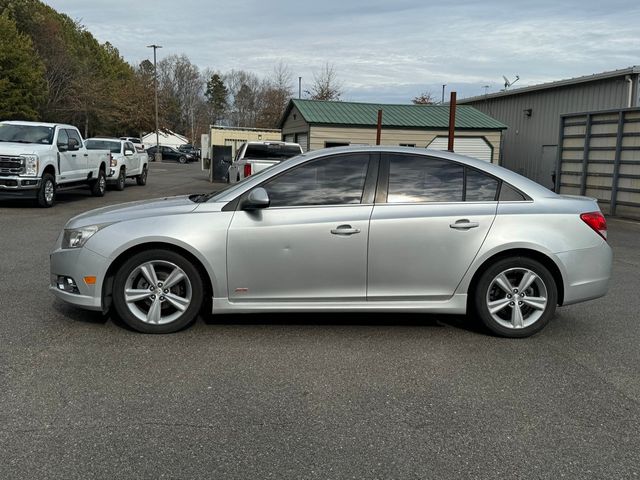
(157, 292)
(516, 298)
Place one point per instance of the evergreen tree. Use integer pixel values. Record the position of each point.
(217, 97)
(22, 86)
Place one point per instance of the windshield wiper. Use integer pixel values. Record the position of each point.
(16, 141)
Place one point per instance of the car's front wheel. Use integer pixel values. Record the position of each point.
(142, 178)
(516, 297)
(182, 160)
(157, 291)
(122, 180)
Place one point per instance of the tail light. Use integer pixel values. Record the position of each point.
(597, 222)
(247, 169)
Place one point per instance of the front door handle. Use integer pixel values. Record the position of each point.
(345, 230)
(464, 224)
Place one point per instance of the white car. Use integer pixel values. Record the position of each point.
(253, 157)
(126, 161)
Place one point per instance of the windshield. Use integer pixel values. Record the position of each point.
(112, 146)
(273, 151)
(26, 133)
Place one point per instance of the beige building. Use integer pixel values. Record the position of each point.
(318, 124)
(235, 136)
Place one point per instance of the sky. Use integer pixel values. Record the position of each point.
(382, 51)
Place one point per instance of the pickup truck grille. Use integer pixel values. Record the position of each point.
(11, 166)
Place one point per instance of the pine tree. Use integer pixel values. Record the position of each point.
(217, 97)
(22, 85)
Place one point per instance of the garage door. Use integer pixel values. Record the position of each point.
(476, 147)
(289, 138)
(302, 139)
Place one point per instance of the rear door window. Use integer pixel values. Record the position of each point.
(420, 179)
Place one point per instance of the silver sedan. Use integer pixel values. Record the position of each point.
(343, 229)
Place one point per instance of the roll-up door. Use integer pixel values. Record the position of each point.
(475, 147)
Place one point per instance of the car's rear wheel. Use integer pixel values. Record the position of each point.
(182, 159)
(157, 291)
(516, 297)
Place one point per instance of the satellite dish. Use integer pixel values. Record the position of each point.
(508, 83)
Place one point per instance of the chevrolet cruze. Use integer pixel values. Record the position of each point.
(342, 229)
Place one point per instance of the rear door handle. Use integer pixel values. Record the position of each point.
(464, 224)
(345, 230)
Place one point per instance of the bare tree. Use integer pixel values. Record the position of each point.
(244, 92)
(425, 98)
(275, 94)
(182, 87)
(326, 85)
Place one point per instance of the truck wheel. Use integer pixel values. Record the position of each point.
(122, 180)
(99, 185)
(142, 178)
(182, 159)
(47, 192)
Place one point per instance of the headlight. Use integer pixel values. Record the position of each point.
(77, 237)
(30, 165)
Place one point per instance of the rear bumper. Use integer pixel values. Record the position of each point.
(587, 273)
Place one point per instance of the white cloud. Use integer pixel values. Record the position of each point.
(382, 51)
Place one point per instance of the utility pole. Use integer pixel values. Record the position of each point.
(442, 101)
(155, 87)
(299, 87)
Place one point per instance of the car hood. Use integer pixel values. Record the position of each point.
(133, 210)
(11, 148)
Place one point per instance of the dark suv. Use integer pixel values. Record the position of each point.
(170, 153)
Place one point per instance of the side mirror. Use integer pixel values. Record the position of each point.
(128, 153)
(73, 144)
(62, 146)
(258, 198)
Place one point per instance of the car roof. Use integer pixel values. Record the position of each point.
(38, 124)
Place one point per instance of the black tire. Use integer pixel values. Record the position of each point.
(182, 160)
(122, 180)
(142, 178)
(47, 193)
(168, 260)
(509, 323)
(99, 185)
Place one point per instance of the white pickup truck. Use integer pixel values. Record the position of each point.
(38, 159)
(126, 160)
(253, 157)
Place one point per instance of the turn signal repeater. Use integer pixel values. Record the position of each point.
(597, 222)
(90, 280)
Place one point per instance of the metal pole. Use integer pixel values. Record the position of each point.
(443, 93)
(299, 87)
(452, 120)
(155, 87)
(379, 130)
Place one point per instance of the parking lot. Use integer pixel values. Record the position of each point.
(307, 396)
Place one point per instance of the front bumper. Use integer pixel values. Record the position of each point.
(19, 187)
(587, 273)
(78, 263)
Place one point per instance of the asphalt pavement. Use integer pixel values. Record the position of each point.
(301, 396)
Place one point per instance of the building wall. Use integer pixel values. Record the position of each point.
(236, 137)
(367, 136)
(296, 128)
(530, 143)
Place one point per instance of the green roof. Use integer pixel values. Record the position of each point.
(394, 116)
